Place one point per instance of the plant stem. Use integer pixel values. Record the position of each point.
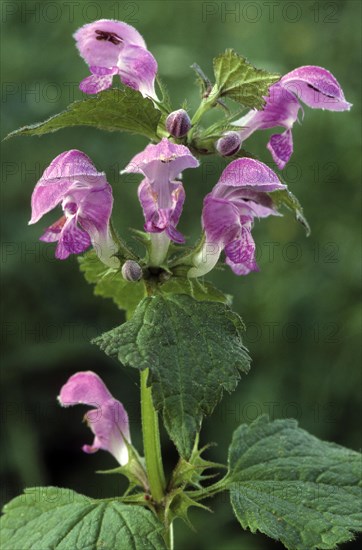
(151, 442)
(204, 106)
(169, 539)
(212, 490)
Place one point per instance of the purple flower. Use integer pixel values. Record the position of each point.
(314, 86)
(111, 48)
(86, 199)
(229, 210)
(108, 420)
(161, 195)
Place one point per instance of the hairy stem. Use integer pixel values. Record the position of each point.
(212, 490)
(151, 442)
(204, 106)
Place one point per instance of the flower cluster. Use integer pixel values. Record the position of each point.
(243, 193)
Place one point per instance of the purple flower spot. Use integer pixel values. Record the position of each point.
(109, 37)
(70, 208)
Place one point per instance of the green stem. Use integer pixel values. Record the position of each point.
(151, 442)
(205, 105)
(169, 537)
(212, 490)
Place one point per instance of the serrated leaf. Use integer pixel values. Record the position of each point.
(290, 201)
(237, 79)
(293, 487)
(111, 110)
(194, 352)
(50, 518)
(109, 283)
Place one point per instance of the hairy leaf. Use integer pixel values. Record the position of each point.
(112, 110)
(194, 352)
(49, 518)
(293, 487)
(238, 79)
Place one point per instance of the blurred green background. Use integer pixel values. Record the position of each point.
(301, 310)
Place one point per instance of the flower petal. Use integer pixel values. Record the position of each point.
(72, 240)
(162, 219)
(94, 208)
(161, 197)
(166, 158)
(63, 171)
(53, 233)
(316, 87)
(138, 68)
(240, 254)
(108, 421)
(281, 109)
(281, 148)
(248, 173)
(100, 79)
(85, 388)
(221, 220)
(101, 42)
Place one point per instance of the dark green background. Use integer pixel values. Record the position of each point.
(301, 310)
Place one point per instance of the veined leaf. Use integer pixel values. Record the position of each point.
(238, 79)
(293, 487)
(113, 110)
(50, 518)
(194, 352)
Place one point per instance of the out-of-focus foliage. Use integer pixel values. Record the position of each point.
(301, 310)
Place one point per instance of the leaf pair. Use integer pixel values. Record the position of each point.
(283, 482)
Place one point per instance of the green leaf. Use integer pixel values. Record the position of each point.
(194, 352)
(202, 291)
(49, 518)
(293, 487)
(239, 80)
(290, 201)
(112, 110)
(109, 283)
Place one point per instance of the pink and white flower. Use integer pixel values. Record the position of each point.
(240, 196)
(72, 181)
(314, 86)
(108, 419)
(112, 48)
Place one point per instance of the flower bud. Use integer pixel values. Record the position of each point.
(131, 271)
(178, 123)
(228, 144)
